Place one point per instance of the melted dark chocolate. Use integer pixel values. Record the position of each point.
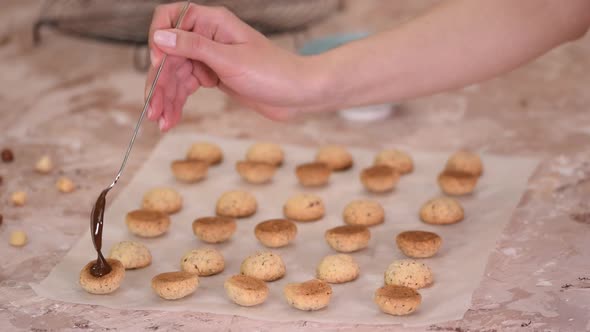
(101, 267)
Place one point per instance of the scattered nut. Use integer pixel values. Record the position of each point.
(1, 219)
(7, 155)
(1, 180)
(18, 198)
(18, 239)
(44, 165)
(65, 185)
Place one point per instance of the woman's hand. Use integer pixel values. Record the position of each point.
(213, 48)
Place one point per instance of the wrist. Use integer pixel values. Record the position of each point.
(320, 89)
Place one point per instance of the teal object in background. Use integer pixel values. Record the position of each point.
(327, 43)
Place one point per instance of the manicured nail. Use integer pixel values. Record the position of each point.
(161, 123)
(165, 38)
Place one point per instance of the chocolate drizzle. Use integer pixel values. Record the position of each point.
(101, 267)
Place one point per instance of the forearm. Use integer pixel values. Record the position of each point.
(455, 44)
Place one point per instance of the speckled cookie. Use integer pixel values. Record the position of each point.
(348, 238)
(133, 255)
(313, 174)
(379, 178)
(309, 296)
(457, 184)
(275, 233)
(409, 273)
(207, 152)
(246, 291)
(175, 285)
(165, 200)
(214, 229)
(465, 162)
(335, 156)
(264, 265)
(189, 171)
(268, 153)
(105, 284)
(418, 244)
(204, 262)
(145, 223)
(442, 211)
(363, 212)
(255, 172)
(337, 269)
(236, 204)
(304, 207)
(397, 300)
(396, 159)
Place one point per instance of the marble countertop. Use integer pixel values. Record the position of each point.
(77, 100)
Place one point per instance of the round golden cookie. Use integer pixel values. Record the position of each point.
(397, 300)
(263, 265)
(363, 212)
(268, 153)
(189, 171)
(396, 159)
(214, 229)
(236, 204)
(465, 162)
(147, 223)
(246, 291)
(348, 238)
(457, 184)
(275, 233)
(310, 295)
(304, 207)
(418, 244)
(175, 285)
(165, 200)
(337, 269)
(133, 255)
(379, 178)
(335, 156)
(255, 172)
(102, 285)
(442, 211)
(207, 152)
(204, 262)
(409, 273)
(313, 174)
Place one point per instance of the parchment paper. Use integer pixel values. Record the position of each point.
(457, 268)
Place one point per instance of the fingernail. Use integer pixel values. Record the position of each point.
(149, 112)
(165, 38)
(153, 58)
(161, 123)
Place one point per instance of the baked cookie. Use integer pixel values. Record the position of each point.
(268, 153)
(189, 171)
(396, 159)
(236, 204)
(397, 300)
(310, 295)
(246, 291)
(263, 265)
(133, 255)
(214, 229)
(442, 211)
(379, 178)
(418, 244)
(465, 162)
(145, 223)
(204, 262)
(337, 269)
(275, 233)
(363, 212)
(175, 285)
(165, 200)
(106, 284)
(348, 238)
(313, 174)
(255, 172)
(207, 152)
(335, 156)
(65, 185)
(409, 273)
(456, 183)
(304, 207)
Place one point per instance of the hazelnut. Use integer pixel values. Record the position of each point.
(65, 185)
(18, 198)
(1, 219)
(18, 239)
(7, 155)
(44, 165)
